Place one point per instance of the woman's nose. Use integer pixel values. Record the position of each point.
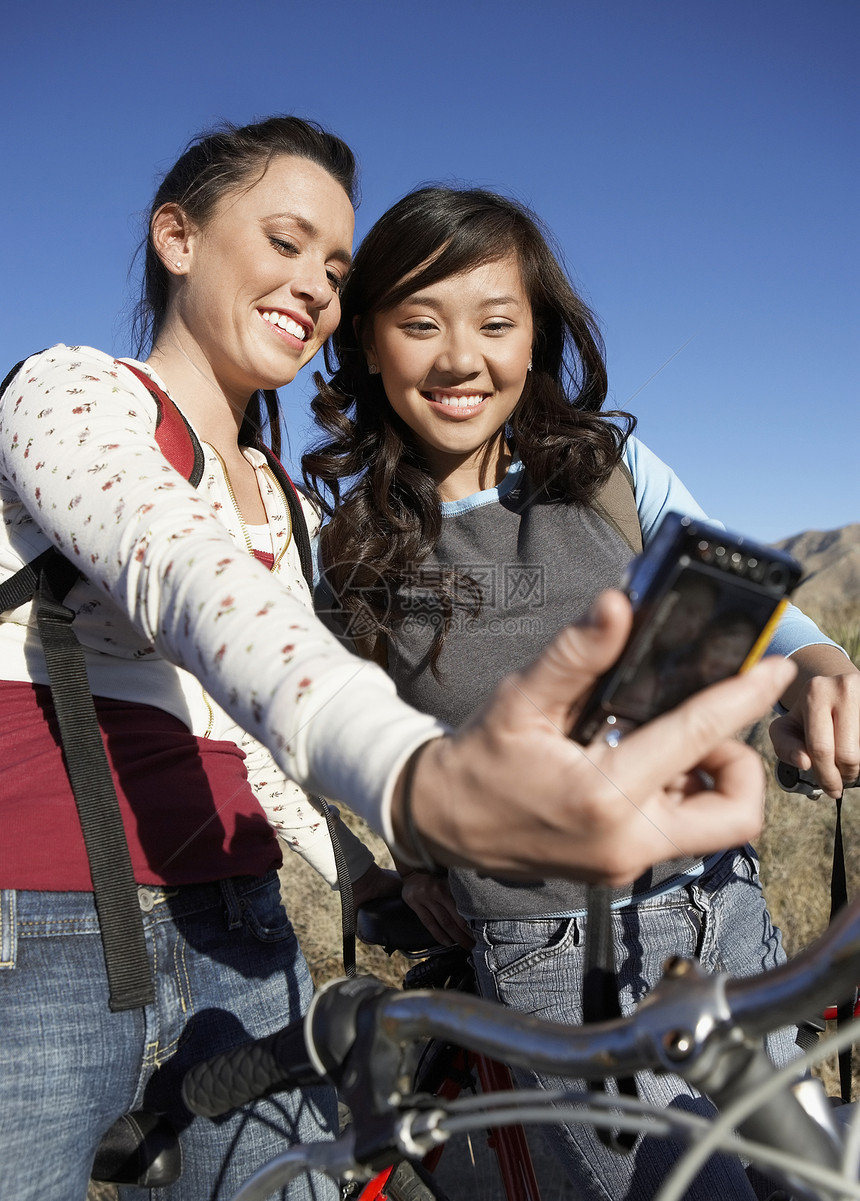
(458, 356)
(313, 284)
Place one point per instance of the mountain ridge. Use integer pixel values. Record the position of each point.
(831, 564)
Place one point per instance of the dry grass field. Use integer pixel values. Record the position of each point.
(796, 845)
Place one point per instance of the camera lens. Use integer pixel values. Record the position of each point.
(777, 577)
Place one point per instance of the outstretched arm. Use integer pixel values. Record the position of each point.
(509, 792)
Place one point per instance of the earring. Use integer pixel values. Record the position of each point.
(372, 368)
(177, 264)
(530, 365)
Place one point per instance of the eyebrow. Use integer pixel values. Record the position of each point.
(308, 227)
(489, 302)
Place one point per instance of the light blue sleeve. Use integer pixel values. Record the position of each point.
(658, 491)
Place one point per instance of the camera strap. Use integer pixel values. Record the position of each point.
(616, 504)
(839, 898)
(600, 1000)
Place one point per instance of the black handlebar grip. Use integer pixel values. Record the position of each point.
(792, 779)
(255, 1069)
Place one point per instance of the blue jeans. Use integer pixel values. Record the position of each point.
(537, 967)
(227, 968)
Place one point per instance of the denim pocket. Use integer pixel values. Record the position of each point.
(738, 937)
(263, 913)
(514, 947)
(8, 927)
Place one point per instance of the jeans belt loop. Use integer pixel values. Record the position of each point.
(8, 927)
(232, 904)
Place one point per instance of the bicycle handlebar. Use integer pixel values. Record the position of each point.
(672, 1024)
(673, 1029)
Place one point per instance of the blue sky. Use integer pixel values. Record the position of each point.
(697, 162)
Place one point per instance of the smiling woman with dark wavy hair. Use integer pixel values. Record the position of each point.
(479, 499)
(387, 519)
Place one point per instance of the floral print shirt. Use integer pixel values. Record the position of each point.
(170, 585)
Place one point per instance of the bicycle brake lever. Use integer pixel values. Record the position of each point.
(372, 1070)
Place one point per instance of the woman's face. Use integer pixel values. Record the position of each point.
(263, 277)
(453, 360)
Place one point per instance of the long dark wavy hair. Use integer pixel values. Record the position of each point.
(368, 470)
(214, 163)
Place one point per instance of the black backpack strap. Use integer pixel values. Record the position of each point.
(616, 504)
(303, 546)
(49, 578)
(344, 883)
(21, 587)
(297, 518)
(10, 375)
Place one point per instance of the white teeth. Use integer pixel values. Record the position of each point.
(458, 402)
(286, 323)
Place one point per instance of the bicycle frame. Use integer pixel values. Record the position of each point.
(361, 1036)
(509, 1143)
(390, 923)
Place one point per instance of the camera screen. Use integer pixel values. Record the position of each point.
(700, 631)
